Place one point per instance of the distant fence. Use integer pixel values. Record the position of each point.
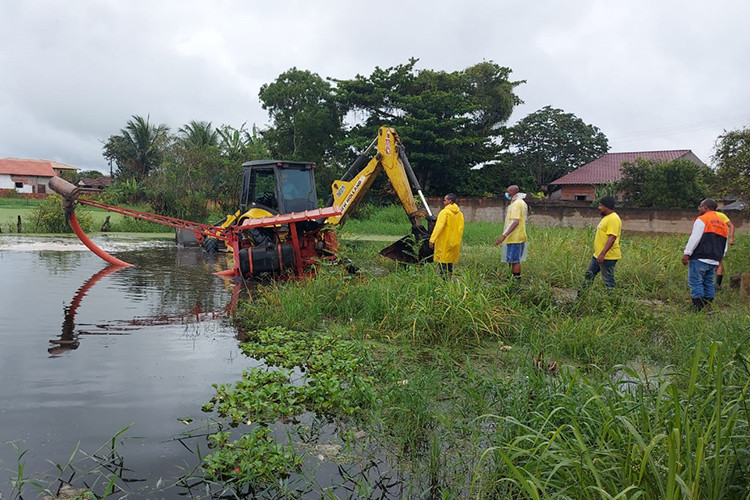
(12, 193)
(544, 213)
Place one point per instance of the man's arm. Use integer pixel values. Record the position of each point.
(731, 232)
(510, 229)
(695, 238)
(610, 241)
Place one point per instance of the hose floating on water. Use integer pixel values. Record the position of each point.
(91, 245)
(69, 193)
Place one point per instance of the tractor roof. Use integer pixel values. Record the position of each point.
(279, 163)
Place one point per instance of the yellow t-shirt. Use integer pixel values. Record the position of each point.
(516, 210)
(609, 225)
(723, 217)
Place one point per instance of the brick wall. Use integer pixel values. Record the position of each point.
(582, 215)
(12, 193)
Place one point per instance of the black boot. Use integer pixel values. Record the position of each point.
(698, 303)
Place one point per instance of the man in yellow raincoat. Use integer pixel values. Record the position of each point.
(447, 235)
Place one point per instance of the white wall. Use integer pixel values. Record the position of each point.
(6, 183)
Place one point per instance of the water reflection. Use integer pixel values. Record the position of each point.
(68, 340)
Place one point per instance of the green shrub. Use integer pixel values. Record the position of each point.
(49, 217)
(132, 225)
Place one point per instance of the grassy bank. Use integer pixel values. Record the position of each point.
(482, 387)
(407, 385)
(28, 210)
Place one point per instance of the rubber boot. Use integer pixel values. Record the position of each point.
(698, 303)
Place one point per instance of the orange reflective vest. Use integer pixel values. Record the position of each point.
(714, 239)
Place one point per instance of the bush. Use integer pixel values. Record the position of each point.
(49, 217)
(131, 225)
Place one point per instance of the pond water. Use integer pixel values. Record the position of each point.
(85, 352)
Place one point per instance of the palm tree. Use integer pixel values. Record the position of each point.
(239, 145)
(199, 134)
(138, 149)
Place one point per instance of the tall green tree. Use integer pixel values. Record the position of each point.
(138, 149)
(448, 120)
(550, 143)
(732, 160)
(675, 184)
(306, 122)
(305, 118)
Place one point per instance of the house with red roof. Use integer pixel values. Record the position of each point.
(92, 184)
(29, 176)
(581, 183)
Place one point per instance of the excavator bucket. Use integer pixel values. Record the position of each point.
(411, 249)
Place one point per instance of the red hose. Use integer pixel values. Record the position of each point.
(90, 244)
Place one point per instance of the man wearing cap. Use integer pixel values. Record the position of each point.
(606, 244)
(513, 238)
(704, 250)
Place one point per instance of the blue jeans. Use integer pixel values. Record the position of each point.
(701, 279)
(607, 269)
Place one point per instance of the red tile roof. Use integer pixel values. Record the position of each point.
(36, 168)
(99, 182)
(608, 168)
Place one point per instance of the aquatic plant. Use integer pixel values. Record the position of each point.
(332, 382)
(95, 475)
(463, 406)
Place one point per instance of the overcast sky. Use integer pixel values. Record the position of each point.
(651, 74)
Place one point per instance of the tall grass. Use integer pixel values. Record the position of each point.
(681, 436)
(648, 400)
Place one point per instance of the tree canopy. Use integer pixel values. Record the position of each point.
(449, 119)
(139, 147)
(305, 119)
(452, 123)
(550, 143)
(732, 159)
(198, 134)
(675, 184)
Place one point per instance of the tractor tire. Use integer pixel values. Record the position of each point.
(211, 245)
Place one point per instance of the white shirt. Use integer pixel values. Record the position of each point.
(695, 237)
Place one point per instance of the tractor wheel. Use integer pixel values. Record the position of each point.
(211, 245)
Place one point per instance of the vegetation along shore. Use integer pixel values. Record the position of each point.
(481, 387)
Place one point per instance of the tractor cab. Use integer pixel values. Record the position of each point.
(280, 187)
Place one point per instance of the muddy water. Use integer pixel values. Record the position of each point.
(85, 352)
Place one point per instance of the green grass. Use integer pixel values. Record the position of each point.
(480, 387)
(648, 400)
(11, 208)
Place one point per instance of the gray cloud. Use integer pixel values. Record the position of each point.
(651, 75)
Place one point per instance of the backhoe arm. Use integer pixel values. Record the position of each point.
(349, 191)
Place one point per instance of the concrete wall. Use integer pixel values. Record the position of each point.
(581, 215)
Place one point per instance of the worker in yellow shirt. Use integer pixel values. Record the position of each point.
(513, 238)
(606, 244)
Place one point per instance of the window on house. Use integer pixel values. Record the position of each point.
(580, 197)
(19, 185)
